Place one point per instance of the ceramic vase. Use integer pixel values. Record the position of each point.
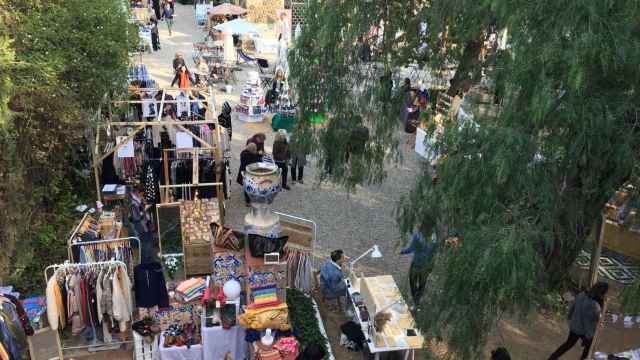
(262, 184)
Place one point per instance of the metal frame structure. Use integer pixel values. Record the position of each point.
(83, 243)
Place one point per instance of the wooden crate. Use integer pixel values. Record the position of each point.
(196, 235)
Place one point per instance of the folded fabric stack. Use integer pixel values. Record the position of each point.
(190, 290)
(264, 296)
(271, 317)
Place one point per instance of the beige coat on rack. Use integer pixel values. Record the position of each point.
(122, 305)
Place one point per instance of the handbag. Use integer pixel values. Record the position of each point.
(260, 245)
(224, 237)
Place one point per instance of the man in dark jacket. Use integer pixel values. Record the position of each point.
(248, 156)
(584, 316)
(178, 62)
(281, 156)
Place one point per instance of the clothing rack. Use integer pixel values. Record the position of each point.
(95, 345)
(210, 118)
(130, 239)
(74, 232)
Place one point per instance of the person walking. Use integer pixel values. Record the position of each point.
(183, 78)
(298, 161)
(407, 100)
(281, 155)
(248, 156)
(178, 62)
(421, 264)
(584, 316)
(167, 15)
(155, 36)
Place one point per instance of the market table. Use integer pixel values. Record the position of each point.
(382, 293)
(180, 352)
(218, 341)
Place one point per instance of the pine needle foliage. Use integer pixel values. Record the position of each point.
(526, 187)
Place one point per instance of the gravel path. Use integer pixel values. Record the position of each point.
(352, 222)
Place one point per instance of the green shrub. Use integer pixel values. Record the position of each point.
(303, 321)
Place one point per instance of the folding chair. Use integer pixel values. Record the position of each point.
(266, 80)
(241, 55)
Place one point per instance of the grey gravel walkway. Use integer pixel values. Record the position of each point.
(352, 222)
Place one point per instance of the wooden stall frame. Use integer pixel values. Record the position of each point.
(210, 118)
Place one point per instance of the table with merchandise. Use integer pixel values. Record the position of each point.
(380, 294)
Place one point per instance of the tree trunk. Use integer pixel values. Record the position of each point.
(469, 63)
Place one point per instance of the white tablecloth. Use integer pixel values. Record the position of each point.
(217, 341)
(180, 352)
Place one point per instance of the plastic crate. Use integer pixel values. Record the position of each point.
(144, 350)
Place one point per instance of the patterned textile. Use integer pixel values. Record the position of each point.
(612, 266)
(227, 266)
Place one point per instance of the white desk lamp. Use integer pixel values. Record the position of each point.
(375, 254)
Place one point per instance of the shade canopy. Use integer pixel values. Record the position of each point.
(227, 9)
(238, 27)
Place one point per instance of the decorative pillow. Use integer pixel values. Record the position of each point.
(224, 237)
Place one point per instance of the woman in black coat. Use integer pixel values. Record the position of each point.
(248, 156)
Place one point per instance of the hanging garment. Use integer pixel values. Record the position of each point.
(148, 107)
(22, 314)
(109, 175)
(106, 301)
(73, 309)
(182, 104)
(8, 342)
(121, 300)
(14, 325)
(150, 181)
(55, 306)
(151, 289)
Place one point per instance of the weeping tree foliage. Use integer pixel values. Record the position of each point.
(525, 187)
(57, 60)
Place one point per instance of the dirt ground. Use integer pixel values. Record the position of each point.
(535, 339)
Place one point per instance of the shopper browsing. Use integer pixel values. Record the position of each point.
(584, 316)
(281, 155)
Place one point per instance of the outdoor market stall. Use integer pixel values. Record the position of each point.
(621, 230)
(383, 316)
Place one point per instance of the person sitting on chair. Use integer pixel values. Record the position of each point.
(332, 285)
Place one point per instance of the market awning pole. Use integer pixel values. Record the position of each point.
(593, 278)
(210, 115)
(597, 250)
(96, 173)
